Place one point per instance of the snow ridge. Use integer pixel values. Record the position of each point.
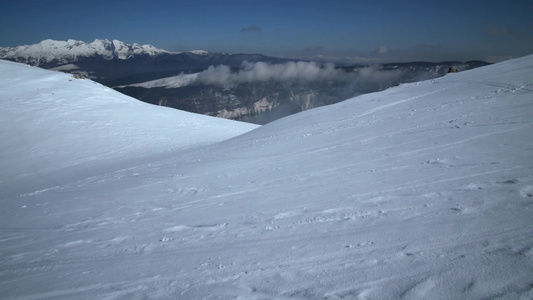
(72, 50)
(178, 81)
(34, 101)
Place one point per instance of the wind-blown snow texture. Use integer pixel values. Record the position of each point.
(422, 191)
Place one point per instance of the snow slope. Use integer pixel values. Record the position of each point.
(178, 81)
(51, 122)
(422, 191)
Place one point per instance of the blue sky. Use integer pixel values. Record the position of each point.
(336, 30)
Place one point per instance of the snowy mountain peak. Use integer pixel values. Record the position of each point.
(72, 50)
(199, 52)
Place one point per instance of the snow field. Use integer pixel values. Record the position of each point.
(422, 191)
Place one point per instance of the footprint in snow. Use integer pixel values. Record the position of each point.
(527, 191)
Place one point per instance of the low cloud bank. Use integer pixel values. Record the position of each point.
(261, 72)
(376, 79)
(364, 79)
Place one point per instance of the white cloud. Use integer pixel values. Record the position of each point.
(261, 71)
(383, 49)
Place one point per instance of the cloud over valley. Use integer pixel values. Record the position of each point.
(301, 71)
(261, 72)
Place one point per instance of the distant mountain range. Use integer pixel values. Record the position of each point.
(64, 52)
(170, 78)
(115, 62)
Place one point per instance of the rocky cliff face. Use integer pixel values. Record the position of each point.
(256, 102)
(264, 101)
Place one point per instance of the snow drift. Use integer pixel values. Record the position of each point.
(422, 191)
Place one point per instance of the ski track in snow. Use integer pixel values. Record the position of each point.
(422, 191)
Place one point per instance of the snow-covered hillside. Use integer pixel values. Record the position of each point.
(422, 191)
(52, 122)
(70, 50)
(178, 81)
